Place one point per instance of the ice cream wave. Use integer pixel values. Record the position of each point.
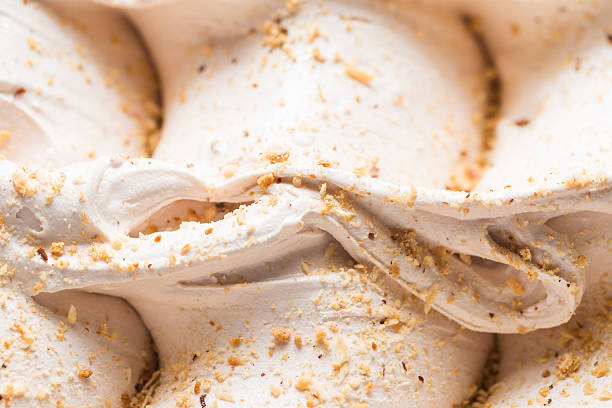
(487, 260)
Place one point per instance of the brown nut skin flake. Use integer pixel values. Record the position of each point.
(43, 254)
(19, 91)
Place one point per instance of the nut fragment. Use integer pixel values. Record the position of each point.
(57, 248)
(359, 75)
(265, 181)
(84, 372)
(72, 315)
(281, 334)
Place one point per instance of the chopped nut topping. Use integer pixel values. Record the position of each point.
(234, 361)
(303, 383)
(275, 35)
(298, 340)
(567, 364)
(25, 182)
(265, 181)
(57, 248)
(316, 54)
(281, 334)
(84, 373)
(358, 75)
(275, 391)
(525, 253)
(274, 158)
(43, 254)
(72, 314)
(521, 122)
(601, 369)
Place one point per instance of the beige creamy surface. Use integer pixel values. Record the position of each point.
(293, 241)
(75, 84)
(376, 89)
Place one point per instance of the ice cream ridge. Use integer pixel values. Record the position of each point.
(305, 203)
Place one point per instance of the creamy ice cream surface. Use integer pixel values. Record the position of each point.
(305, 203)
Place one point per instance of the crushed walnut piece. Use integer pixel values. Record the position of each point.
(525, 253)
(303, 383)
(281, 334)
(274, 158)
(298, 341)
(275, 35)
(72, 314)
(25, 181)
(567, 364)
(275, 391)
(601, 369)
(265, 181)
(57, 248)
(358, 75)
(84, 372)
(43, 254)
(61, 330)
(234, 361)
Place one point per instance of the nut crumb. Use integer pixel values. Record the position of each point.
(359, 75)
(274, 158)
(602, 369)
(281, 334)
(265, 181)
(72, 314)
(303, 383)
(57, 248)
(43, 254)
(275, 391)
(234, 361)
(84, 373)
(25, 182)
(567, 364)
(298, 340)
